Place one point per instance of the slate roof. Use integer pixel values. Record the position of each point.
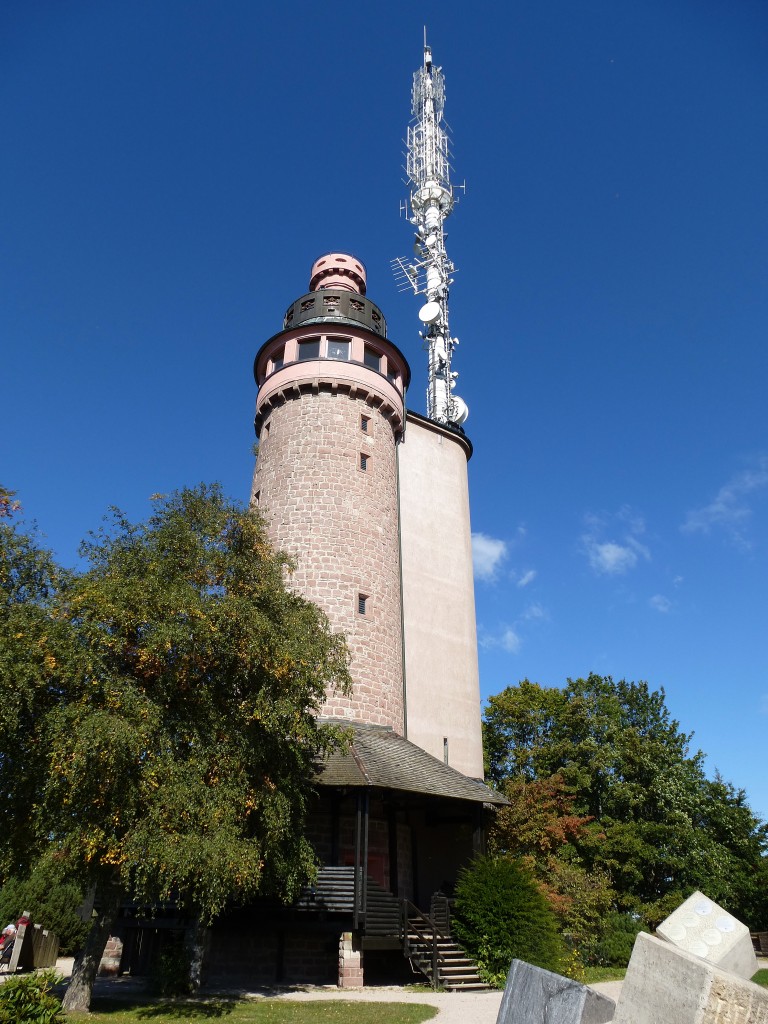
(378, 757)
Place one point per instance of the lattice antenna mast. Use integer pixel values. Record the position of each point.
(431, 201)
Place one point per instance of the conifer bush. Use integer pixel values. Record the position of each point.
(615, 945)
(500, 915)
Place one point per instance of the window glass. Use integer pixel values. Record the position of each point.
(278, 359)
(372, 358)
(309, 349)
(338, 348)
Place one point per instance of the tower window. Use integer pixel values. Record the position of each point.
(257, 498)
(364, 460)
(372, 358)
(309, 349)
(338, 348)
(365, 424)
(278, 359)
(362, 604)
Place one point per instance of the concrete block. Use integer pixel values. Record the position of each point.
(701, 927)
(667, 985)
(535, 996)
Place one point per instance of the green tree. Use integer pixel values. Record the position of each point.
(38, 651)
(659, 827)
(539, 827)
(179, 742)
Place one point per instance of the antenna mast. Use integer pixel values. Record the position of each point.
(431, 201)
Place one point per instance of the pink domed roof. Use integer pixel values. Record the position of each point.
(338, 270)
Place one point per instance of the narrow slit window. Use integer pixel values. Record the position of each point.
(365, 424)
(364, 460)
(257, 498)
(362, 604)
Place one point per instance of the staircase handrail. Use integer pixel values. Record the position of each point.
(414, 918)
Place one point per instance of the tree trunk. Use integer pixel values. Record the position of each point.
(80, 989)
(197, 940)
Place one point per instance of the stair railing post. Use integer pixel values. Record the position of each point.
(435, 978)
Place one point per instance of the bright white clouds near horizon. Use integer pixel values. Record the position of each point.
(487, 555)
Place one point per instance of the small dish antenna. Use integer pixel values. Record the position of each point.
(430, 312)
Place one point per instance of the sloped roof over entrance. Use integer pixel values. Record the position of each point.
(378, 757)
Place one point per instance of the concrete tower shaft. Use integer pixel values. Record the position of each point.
(329, 413)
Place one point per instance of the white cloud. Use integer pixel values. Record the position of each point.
(487, 554)
(511, 637)
(510, 640)
(614, 557)
(526, 578)
(535, 612)
(610, 558)
(729, 509)
(660, 603)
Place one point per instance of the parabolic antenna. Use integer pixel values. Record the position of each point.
(460, 410)
(430, 312)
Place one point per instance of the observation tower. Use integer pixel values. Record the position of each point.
(329, 414)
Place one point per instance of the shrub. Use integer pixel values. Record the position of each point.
(614, 947)
(27, 999)
(52, 900)
(169, 975)
(500, 914)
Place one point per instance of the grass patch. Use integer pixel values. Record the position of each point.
(593, 974)
(761, 978)
(256, 1011)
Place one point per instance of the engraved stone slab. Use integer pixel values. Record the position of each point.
(535, 996)
(701, 927)
(667, 985)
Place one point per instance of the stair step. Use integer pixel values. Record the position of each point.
(468, 987)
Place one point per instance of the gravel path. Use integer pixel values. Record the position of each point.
(453, 1007)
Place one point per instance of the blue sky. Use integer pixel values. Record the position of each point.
(170, 170)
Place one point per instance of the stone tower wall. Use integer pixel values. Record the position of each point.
(340, 522)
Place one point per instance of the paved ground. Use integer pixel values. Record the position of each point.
(453, 1007)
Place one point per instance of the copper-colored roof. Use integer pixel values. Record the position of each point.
(378, 757)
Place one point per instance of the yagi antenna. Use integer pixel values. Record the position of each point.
(429, 271)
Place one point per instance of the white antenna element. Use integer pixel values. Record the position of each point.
(431, 201)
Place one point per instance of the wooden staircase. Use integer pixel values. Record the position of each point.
(436, 955)
(425, 940)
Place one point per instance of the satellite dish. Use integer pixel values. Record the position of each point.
(430, 312)
(460, 410)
